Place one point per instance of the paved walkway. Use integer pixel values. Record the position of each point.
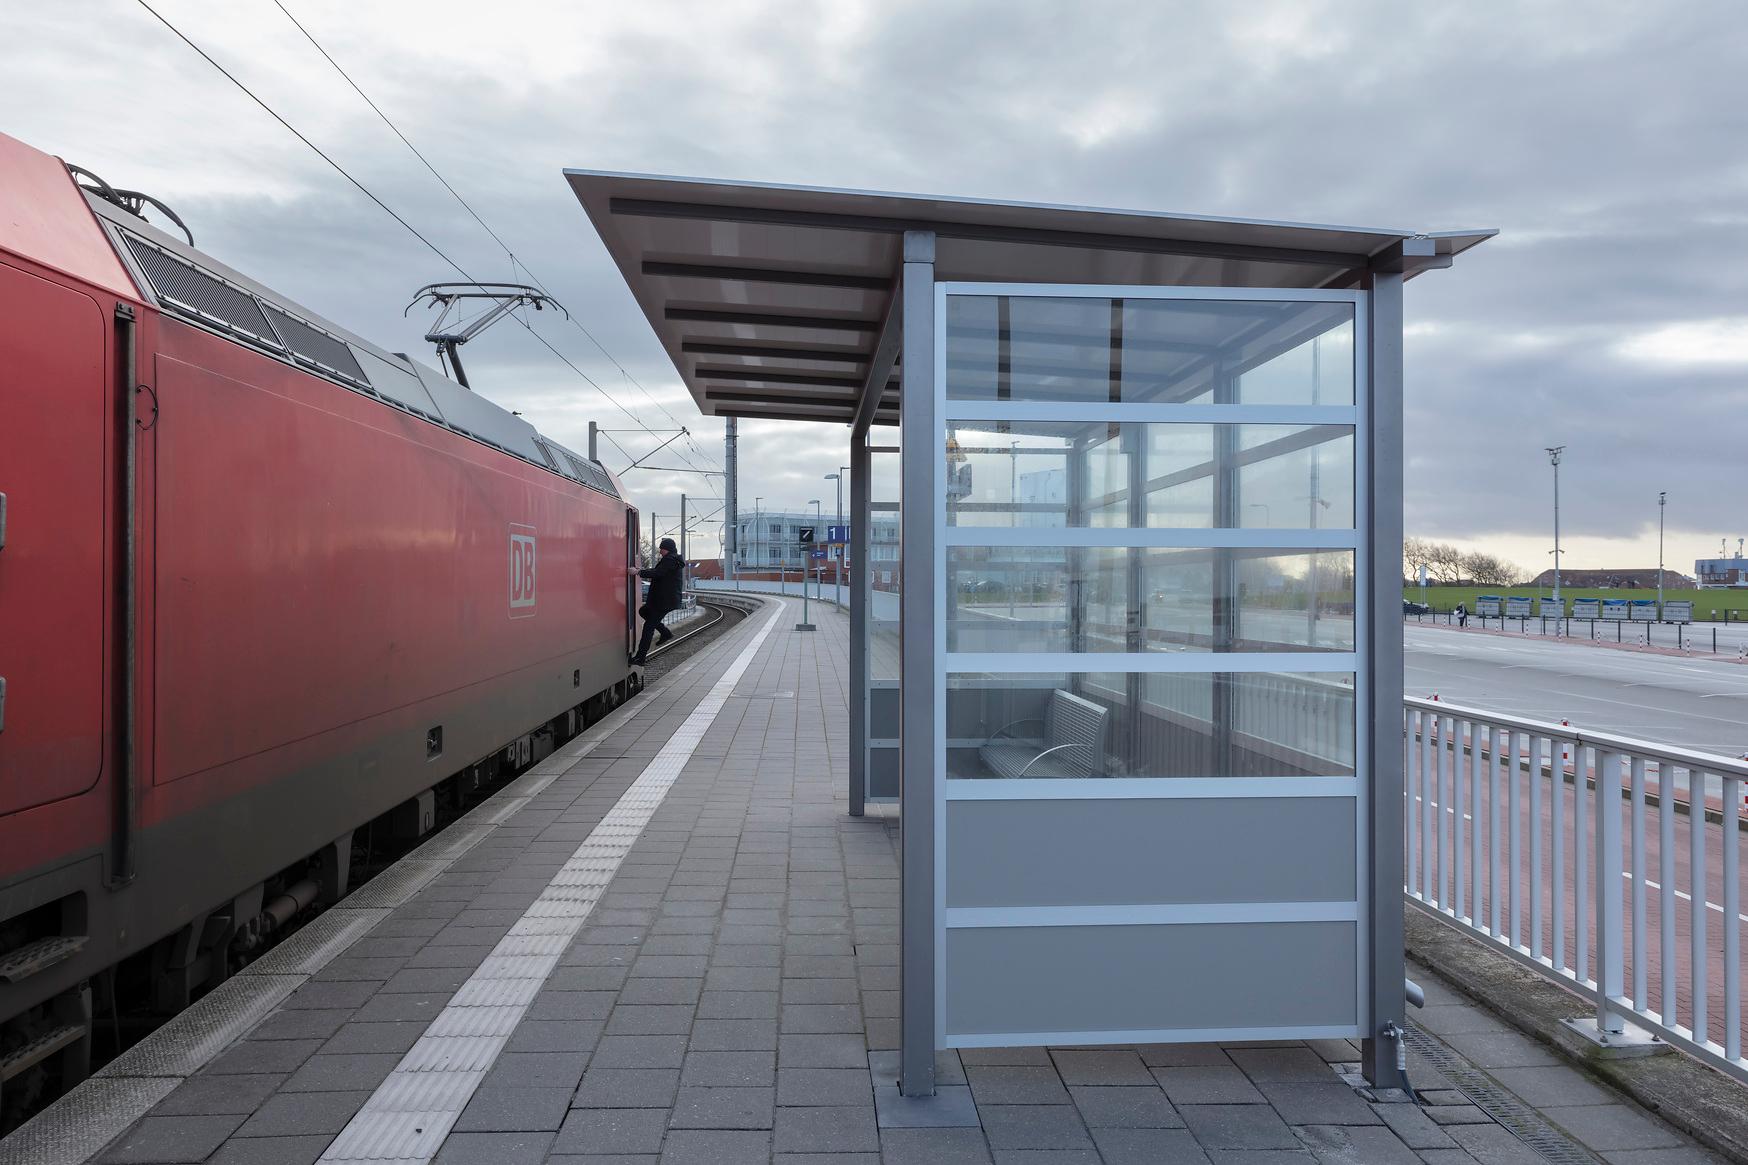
(731, 994)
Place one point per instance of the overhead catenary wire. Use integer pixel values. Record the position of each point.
(373, 197)
(515, 262)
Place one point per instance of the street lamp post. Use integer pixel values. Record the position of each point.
(818, 521)
(757, 526)
(838, 576)
(1554, 452)
(1662, 501)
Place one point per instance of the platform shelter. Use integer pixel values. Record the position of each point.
(1135, 673)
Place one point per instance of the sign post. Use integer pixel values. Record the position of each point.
(839, 538)
(806, 540)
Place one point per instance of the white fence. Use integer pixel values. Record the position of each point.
(816, 592)
(1609, 863)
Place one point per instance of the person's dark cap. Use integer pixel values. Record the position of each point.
(668, 545)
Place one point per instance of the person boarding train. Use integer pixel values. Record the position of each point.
(665, 579)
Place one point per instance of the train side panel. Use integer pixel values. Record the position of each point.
(323, 560)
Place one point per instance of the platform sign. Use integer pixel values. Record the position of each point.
(1678, 611)
(817, 553)
(1518, 606)
(1556, 609)
(837, 534)
(1489, 605)
(1615, 609)
(1587, 608)
(1643, 610)
(805, 536)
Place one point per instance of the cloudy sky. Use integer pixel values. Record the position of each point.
(1608, 142)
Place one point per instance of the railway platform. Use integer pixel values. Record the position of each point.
(670, 943)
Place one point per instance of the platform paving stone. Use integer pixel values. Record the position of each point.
(219, 1095)
(734, 998)
(172, 1138)
(1237, 1126)
(519, 1148)
(1613, 1127)
(271, 1151)
(1126, 1107)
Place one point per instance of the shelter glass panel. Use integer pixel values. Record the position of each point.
(1153, 599)
(1161, 475)
(1087, 725)
(884, 562)
(1155, 351)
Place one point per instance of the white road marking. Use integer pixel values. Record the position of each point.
(1628, 874)
(1681, 894)
(408, 1117)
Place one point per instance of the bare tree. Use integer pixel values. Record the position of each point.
(1489, 570)
(1416, 554)
(1445, 563)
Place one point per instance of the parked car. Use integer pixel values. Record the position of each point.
(1412, 608)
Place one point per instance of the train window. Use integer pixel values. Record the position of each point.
(190, 291)
(311, 345)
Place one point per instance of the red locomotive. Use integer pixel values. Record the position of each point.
(261, 582)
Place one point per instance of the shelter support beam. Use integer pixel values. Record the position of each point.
(920, 497)
(1381, 891)
(880, 362)
(860, 576)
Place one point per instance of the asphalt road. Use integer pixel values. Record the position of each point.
(1693, 703)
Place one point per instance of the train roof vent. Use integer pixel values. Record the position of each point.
(312, 346)
(188, 290)
(546, 455)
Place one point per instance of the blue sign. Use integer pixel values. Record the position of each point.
(838, 534)
(820, 553)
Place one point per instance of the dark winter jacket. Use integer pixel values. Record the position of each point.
(664, 583)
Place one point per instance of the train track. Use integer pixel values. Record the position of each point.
(695, 627)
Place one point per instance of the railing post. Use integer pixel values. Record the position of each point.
(1731, 788)
(1610, 974)
(1641, 971)
(1698, 886)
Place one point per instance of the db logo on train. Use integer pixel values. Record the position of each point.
(521, 571)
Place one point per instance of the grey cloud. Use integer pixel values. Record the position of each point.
(1605, 140)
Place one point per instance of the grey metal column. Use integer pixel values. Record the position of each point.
(730, 499)
(918, 499)
(859, 600)
(1381, 895)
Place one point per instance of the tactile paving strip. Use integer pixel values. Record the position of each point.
(407, 1119)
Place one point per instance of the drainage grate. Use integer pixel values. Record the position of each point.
(1512, 1114)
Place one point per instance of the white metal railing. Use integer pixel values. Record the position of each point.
(1610, 863)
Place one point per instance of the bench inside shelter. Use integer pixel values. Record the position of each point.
(1067, 741)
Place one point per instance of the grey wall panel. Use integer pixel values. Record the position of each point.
(1091, 979)
(883, 710)
(1116, 852)
(883, 772)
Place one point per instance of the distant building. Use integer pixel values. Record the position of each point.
(1722, 572)
(1638, 578)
